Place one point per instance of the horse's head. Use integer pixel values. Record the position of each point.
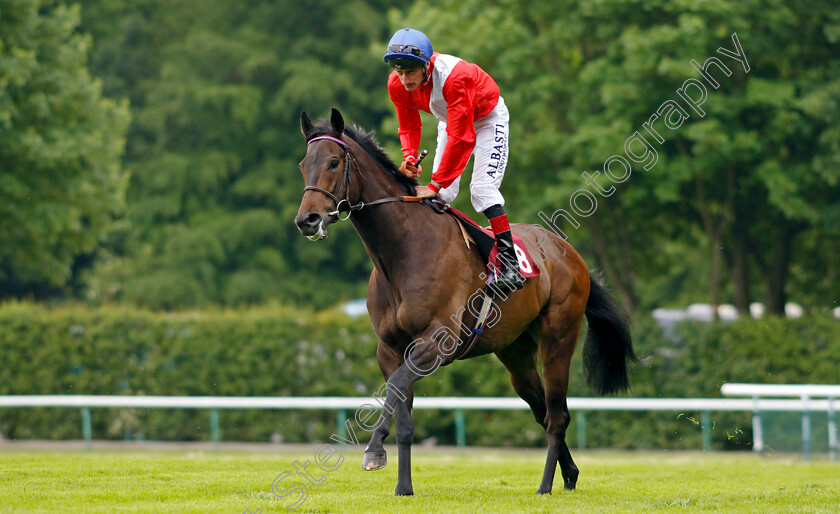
(326, 173)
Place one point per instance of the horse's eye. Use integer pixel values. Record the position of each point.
(334, 164)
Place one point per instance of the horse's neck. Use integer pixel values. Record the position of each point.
(396, 232)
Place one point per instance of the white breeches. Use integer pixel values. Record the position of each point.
(489, 159)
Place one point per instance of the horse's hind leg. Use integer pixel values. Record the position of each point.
(520, 359)
(556, 355)
(567, 465)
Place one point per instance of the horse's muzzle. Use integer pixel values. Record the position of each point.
(313, 225)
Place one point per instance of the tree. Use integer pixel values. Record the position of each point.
(61, 180)
(741, 176)
(217, 94)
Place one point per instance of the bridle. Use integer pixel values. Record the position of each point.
(344, 204)
(349, 161)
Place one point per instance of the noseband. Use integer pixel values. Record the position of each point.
(344, 205)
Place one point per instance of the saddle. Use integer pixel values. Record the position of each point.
(485, 241)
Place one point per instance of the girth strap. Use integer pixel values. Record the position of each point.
(463, 350)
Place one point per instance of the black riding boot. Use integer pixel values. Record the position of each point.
(509, 276)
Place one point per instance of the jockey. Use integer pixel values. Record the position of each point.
(472, 120)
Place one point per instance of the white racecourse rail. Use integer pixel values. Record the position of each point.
(458, 404)
(806, 394)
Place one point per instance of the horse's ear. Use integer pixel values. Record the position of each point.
(337, 121)
(305, 124)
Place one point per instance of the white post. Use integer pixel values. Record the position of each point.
(758, 440)
(832, 431)
(806, 428)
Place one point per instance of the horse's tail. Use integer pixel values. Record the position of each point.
(608, 344)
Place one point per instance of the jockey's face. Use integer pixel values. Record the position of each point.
(411, 78)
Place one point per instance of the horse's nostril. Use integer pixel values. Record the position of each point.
(308, 222)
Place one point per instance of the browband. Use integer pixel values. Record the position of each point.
(334, 139)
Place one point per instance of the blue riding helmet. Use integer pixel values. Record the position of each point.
(408, 48)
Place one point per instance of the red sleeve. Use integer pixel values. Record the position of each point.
(459, 92)
(410, 128)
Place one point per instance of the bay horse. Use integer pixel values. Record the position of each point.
(423, 276)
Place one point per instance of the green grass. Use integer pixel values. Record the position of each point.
(444, 481)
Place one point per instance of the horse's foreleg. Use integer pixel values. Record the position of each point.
(423, 360)
(397, 399)
(405, 437)
(375, 456)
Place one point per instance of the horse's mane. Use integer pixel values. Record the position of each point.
(368, 142)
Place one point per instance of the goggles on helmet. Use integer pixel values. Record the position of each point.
(406, 49)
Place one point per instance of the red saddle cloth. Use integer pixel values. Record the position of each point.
(486, 242)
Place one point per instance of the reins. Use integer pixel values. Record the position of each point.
(340, 206)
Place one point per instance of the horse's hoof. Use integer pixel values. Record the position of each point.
(404, 492)
(570, 482)
(374, 460)
(543, 491)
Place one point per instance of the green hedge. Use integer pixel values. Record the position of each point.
(284, 351)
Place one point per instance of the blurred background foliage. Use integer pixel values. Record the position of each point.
(283, 351)
(148, 164)
(149, 148)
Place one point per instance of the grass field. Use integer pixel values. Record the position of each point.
(445, 480)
